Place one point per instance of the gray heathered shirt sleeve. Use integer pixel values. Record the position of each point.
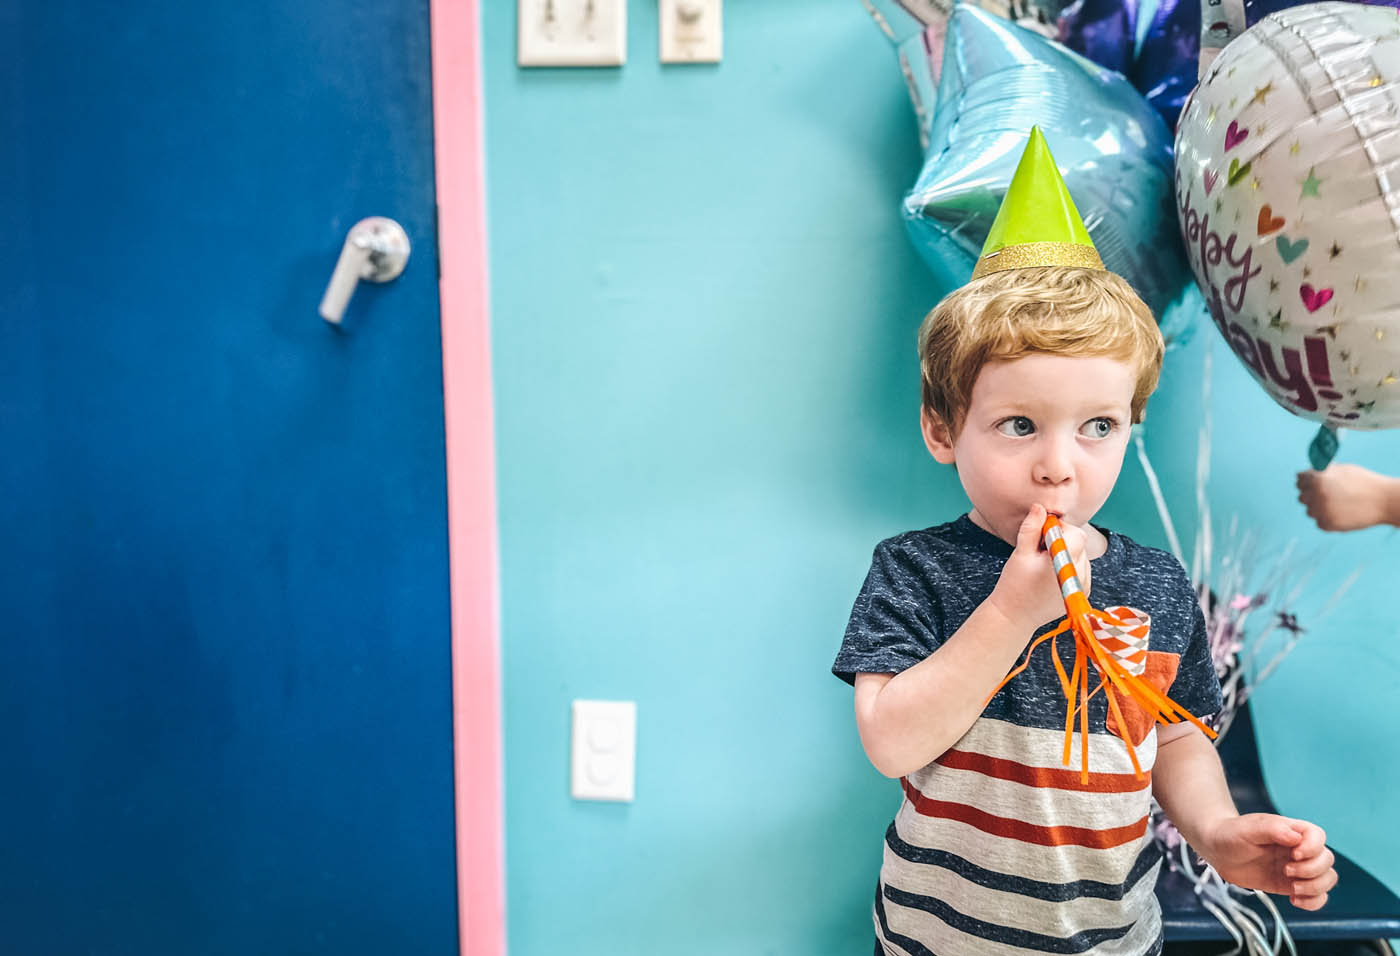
(893, 624)
(1197, 688)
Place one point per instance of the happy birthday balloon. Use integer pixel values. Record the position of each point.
(998, 80)
(1285, 183)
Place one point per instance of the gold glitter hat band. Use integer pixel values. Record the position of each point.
(1037, 224)
(1029, 254)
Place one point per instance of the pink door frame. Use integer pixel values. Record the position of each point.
(471, 492)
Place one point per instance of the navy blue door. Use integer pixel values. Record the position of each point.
(225, 699)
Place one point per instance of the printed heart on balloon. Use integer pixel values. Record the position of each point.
(1211, 178)
(1314, 299)
(1289, 250)
(1238, 172)
(1234, 136)
(1268, 222)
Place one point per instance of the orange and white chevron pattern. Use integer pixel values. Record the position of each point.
(1128, 644)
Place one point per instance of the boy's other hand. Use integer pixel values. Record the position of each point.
(1028, 590)
(1264, 851)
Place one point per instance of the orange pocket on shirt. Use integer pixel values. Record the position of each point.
(1129, 644)
(1160, 672)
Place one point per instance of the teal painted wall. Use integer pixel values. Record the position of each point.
(703, 315)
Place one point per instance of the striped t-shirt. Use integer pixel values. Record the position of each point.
(997, 848)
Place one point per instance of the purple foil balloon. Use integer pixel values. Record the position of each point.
(1165, 71)
(1102, 30)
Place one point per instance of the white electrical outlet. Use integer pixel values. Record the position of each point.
(691, 31)
(604, 750)
(571, 32)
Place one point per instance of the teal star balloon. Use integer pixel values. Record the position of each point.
(998, 80)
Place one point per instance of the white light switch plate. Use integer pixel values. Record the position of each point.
(571, 32)
(691, 31)
(604, 750)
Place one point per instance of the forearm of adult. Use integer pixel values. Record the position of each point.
(909, 720)
(1189, 782)
(1391, 498)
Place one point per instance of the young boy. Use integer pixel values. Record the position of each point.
(1032, 374)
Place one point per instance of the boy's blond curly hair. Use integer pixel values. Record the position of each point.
(1056, 309)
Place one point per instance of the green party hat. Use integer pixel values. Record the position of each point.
(1037, 224)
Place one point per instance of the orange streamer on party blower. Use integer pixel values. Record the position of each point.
(1114, 678)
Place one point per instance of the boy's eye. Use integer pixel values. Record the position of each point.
(1018, 426)
(1099, 427)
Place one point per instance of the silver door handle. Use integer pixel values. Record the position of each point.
(376, 249)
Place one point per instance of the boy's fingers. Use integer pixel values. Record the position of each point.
(1028, 535)
(1316, 887)
(1263, 829)
(1313, 896)
(1313, 840)
(1310, 868)
(1309, 902)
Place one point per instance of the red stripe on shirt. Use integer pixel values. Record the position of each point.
(1019, 829)
(1043, 776)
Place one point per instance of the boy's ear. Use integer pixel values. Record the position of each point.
(937, 438)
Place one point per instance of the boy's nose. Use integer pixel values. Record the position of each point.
(1053, 466)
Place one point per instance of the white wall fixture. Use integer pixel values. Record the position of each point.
(604, 750)
(691, 31)
(571, 32)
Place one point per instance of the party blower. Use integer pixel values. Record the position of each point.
(1114, 678)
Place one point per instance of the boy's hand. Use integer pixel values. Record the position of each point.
(1028, 590)
(1263, 851)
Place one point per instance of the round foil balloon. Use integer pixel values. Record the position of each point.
(1286, 186)
(998, 80)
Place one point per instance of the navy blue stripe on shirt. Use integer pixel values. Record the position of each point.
(1035, 942)
(1037, 889)
(907, 943)
(918, 949)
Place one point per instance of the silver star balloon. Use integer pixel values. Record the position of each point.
(997, 81)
